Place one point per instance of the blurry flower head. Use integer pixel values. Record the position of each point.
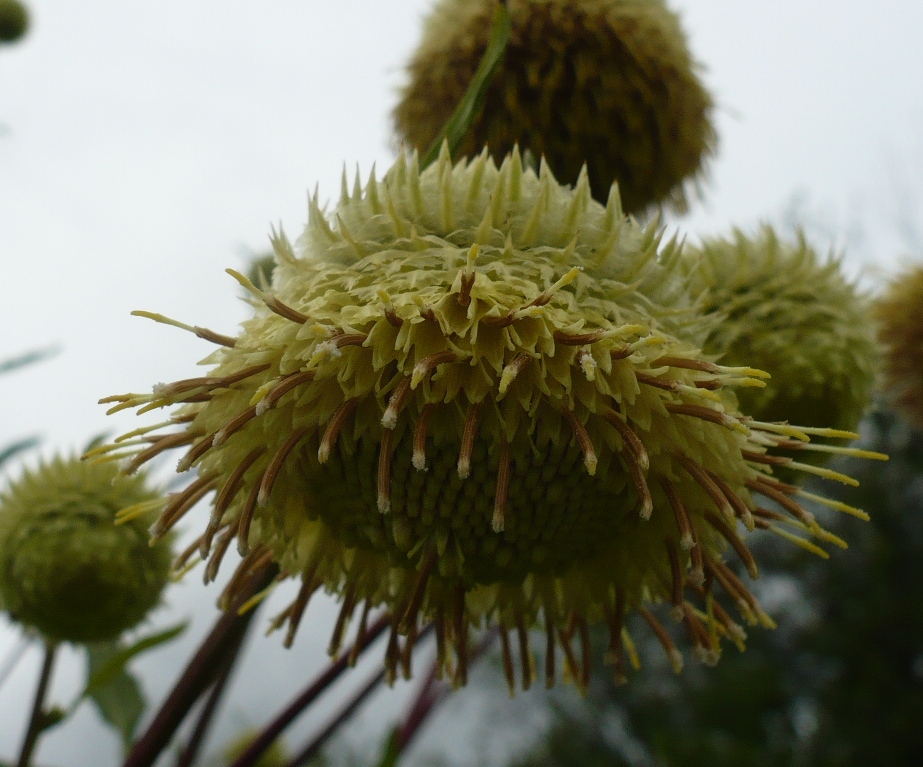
(66, 568)
(475, 396)
(794, 314)
(606, 83)
(275, 756)
(899, 316)
(14, 20)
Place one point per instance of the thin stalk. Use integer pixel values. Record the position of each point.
(220, 644)
(272, 731)
(320, 740)
(206, 716)
(37, 718)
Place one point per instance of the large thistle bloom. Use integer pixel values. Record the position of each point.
(477, 397)
(608, 83)
(66, 568)
(899, 316)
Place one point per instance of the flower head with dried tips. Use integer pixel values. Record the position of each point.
(899, 317)
(474, 396)
(794, 314)
(14, 20)
(606, 83)
(66, 568)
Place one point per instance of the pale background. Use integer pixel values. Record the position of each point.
(146, 146)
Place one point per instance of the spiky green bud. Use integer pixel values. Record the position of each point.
(899, 316)
(474, 395)
(66, 568)
(608, 83)
(794, 314)
(14, 20)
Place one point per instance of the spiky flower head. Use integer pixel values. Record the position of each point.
(14, 20)
(899, 317)
(475, 396)
(609, 83)
(66, 568)
(794, 314)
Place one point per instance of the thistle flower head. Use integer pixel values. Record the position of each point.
(899, 317)
(475, 396)
(606, 83)
(14, 20)
(66, 568)
(794, 314)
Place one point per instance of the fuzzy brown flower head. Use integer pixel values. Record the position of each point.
(899, 317)
(14, 20)
(475, 397)
(608, 83)
(795, 315)
(66, 568)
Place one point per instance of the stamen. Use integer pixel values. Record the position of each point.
(407, 654)
(227, 494)
(221, 547)
(256, 559)
(308, 587)
(673, 655)
(620, 354)
(687, 537)
(244, 520)
(549, 651)
(284, 385)
(571, 667)
(578, 339)
(513, 369)
(525, 651)
(507, 660)
(798, 541)
(275, 465)
(836, 505)
(734, 630)
(203, 333)
(658, 383)
(631, 440)
(180, 562)
(334, 427)
(740, 507)
(706, 414)
(461, 636)
(546, 295)
(427, 365)
(773, 491)
(419, 437)
(853, 452)
(441, 654)
(396, 403)
(272, 303)
(392, 655)
(705, 648)
(503, 321)
(412, 610)
(583, 439)
(705, 482)
(165, 443)
(676, 581)
(385, 451)
(180, 503)
(339, 628)
(586, 654)
(616, 620)
(359, 642)
(468, 437)
(208, 382)
(738, 545)
(467, 283)
(503, 485)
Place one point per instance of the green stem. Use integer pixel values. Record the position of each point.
(37, 718)
(470, 106)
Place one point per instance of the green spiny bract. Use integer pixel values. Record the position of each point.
(66, 568)
(14, 20)
(606, 83)
(475, 396)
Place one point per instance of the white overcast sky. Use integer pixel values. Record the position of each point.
(146, 146)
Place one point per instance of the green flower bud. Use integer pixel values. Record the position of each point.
(275, 756)
(899, 315)
(795, 315)
(66, 568)
(14, 20)
(608, 83)
(475, 396)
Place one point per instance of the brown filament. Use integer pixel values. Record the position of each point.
(283, 310)
(687, 537)
(503, 486)
(740, 508)
(673, 655)
(232, 426)
(578, 339)
(334, 427)
(657, 383)
(467, 283)
(583, 439)
(396, 403)
(308, 587)
(689, 364)
(221, 547)
(570, 660)
(507, 659)
(620, 354)
(244, 520)
(739, 546)
(586, 653)
(705, 482)
(700, 411)
(499, 322)
(549, 652)
(216, 338)
(283, 387)
(359, 643)
(461, 636)
(392, 655)
(350, 339)
(180, 503)
(211, 382)
(163, 443)
(275, 465)
(468, 437)
(525, 651)
(227, 494)
(676, 576)
(634, 443)
(409, 617)
(339, 628)
(441, 655)
(419, 436)
(792, 507)
(385, 451)
(254, 560)
(407, 654)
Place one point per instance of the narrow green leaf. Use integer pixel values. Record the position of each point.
(119, 701)
(457, 126)
(15, 448)
(26, 359)
(114, 657)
